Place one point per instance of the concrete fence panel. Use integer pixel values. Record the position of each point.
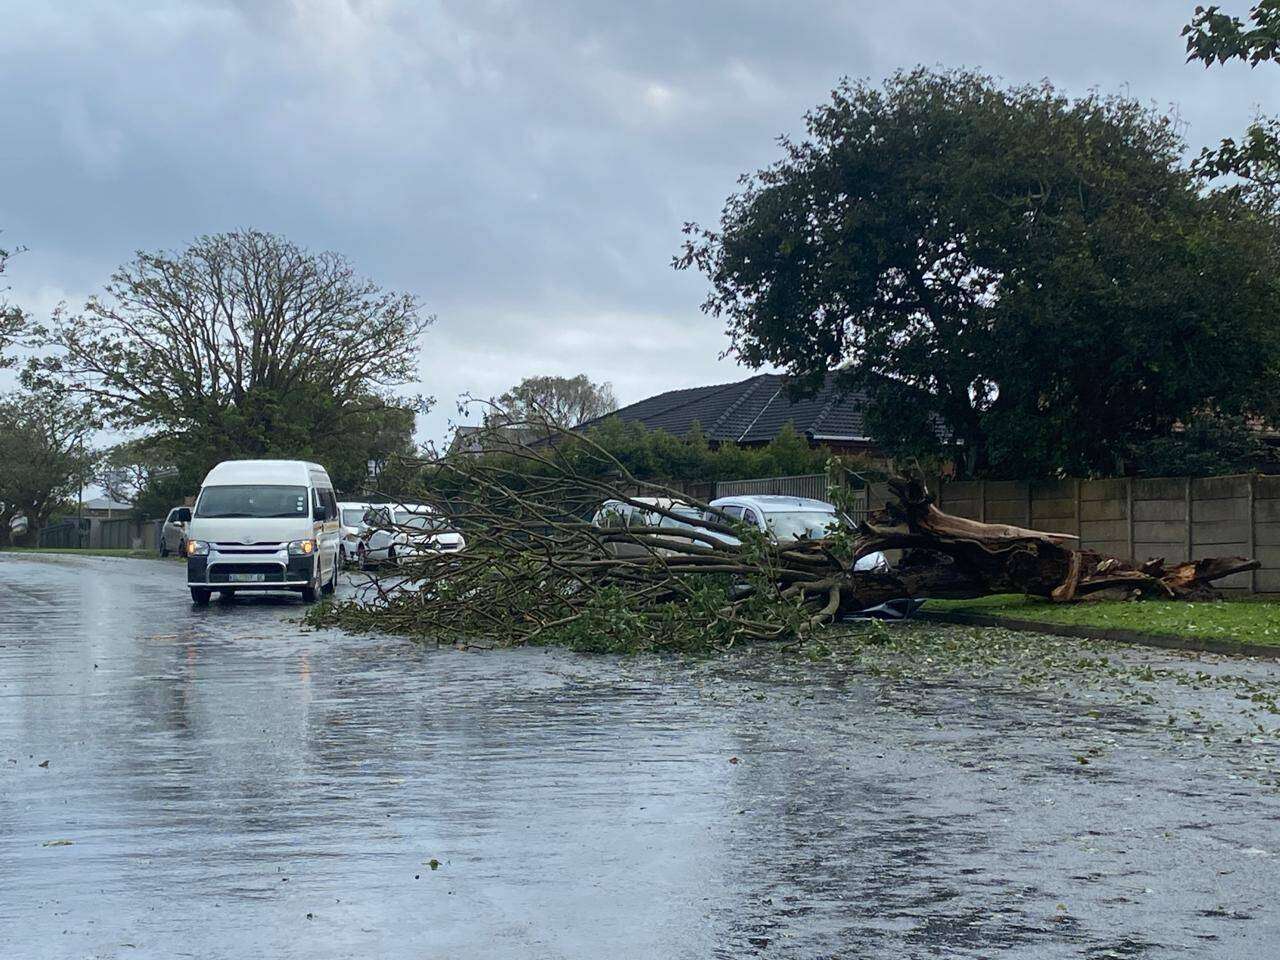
(812, 485)
(877, 495)
(1222, 524)
(1160, 515)
(961, 498)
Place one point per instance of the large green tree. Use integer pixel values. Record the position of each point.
(245, 345)
(44, 457)
(1032, 281)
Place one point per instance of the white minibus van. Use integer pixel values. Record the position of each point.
(263, 525)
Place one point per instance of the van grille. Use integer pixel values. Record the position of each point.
(263, 546)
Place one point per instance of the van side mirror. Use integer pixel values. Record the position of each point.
(319, 512)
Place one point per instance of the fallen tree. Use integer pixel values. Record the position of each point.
(541, 567)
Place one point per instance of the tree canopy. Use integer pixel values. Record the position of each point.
(245, 345)
(43, 454)
(563, 402)
(1039, 274)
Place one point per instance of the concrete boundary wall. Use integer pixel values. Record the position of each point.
(1177, 518)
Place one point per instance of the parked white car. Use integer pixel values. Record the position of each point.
(396, 532)
(352, 529)
(615, 514)
(789, 520)
(173, 532)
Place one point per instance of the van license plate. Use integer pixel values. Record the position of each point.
(246, 577)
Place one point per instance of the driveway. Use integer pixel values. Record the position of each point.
(224, 782)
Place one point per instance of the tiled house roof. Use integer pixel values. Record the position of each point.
(753, 411)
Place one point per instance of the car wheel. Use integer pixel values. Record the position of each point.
(362, 557)
(311, 592)
(200, 596)
(164, 547)
(391, 557)
(182, 547)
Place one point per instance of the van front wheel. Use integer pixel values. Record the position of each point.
(200, 596)
(310, 592)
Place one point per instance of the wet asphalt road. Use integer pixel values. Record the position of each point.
(224, 783)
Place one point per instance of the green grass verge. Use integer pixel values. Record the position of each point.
(1251, 620)
(71, 551)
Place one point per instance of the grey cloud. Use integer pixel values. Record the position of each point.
(524, 167)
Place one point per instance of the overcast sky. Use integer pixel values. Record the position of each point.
(523, 167)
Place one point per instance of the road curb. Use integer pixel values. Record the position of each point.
(1165, 641)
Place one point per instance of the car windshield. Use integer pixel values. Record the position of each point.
(419, 522)
(352, 516)
(693, 513)
(800, 524)
(258, 501)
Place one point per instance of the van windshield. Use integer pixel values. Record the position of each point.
(258, 501)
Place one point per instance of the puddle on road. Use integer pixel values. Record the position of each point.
(232, 785)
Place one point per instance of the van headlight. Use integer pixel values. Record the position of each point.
(197, 548)
(302, 548)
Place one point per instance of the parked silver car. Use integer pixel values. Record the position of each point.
(403, 531)
(173, 532)
(789, 520)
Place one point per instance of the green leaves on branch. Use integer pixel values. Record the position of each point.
(1216, 37)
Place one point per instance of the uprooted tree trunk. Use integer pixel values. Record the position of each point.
(541, 564)
(987, 558)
